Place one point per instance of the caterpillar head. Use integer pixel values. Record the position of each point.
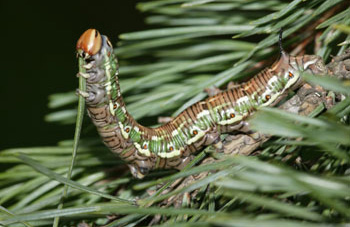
(89, 43)
(139, 169)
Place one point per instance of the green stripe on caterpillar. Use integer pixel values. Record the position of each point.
(173, 144)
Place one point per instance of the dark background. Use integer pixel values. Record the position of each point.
(38, 59)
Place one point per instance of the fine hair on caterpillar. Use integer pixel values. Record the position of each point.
(173, 144)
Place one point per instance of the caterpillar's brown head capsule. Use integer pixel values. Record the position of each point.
(89, 43)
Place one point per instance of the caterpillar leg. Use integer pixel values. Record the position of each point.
(139, 169)
(317, 94)
(82, 93)
(244, 144)
(212, 91)
(84, 75)
(219, 146)
(233, 85)
(213, 139)
(164, 120)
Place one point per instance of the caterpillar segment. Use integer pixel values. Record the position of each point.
(172, 145)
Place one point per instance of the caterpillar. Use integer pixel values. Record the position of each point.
(173, 144)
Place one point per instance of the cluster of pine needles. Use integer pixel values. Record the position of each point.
(193, 45)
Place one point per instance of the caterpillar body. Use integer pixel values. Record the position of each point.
(172, 145)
